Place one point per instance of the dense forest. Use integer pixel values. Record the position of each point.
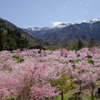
(12, 39)
(73, 46)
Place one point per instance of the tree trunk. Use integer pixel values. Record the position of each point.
(71, 80)
(80, 87)
(92, 97)
(92, 93)
(62, 96)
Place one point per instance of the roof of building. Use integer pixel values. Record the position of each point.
(36, 47)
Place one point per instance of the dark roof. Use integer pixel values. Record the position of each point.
(36, 47)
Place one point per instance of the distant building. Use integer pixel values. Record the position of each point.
(37, 47)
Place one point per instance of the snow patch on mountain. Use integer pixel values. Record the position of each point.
(62, 25)
(94, 20)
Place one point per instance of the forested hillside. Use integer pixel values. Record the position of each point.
(10, 40)
(6, 25)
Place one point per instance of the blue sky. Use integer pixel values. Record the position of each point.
(44, 13)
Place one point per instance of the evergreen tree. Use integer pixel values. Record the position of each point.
(1, 40)
(12, 44)
(80, 44)
(91, 43)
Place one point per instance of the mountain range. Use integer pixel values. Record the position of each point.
(4, 24)
(68, 32)
(62, 33)
(38, 32)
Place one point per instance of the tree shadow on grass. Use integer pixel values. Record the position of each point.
(76, 96)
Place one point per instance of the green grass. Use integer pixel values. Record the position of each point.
(59, 98)
(18, 59)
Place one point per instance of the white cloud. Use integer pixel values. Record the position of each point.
(87, 4)
(85, 11)
(81, 2)
(65, 7)
(57, 23)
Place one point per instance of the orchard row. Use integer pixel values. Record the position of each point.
(33, 75)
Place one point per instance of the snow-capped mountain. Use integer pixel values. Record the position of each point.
(39, 29)
(34, 29)
(39, 32)
(94, 20)
(72, 33)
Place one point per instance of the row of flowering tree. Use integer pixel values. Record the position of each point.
(29, 75)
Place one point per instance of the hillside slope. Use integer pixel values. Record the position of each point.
(32, 40)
